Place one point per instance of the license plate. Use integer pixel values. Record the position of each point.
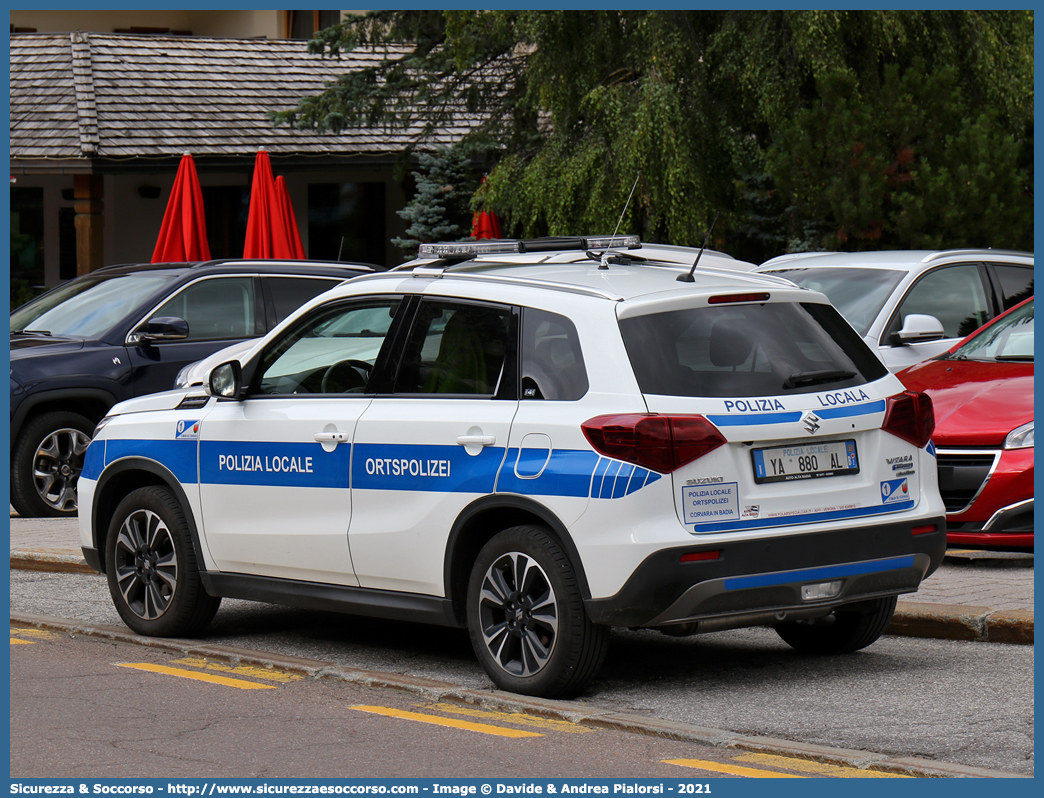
(805, 461)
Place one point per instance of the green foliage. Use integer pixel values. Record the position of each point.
(441, 208)
(804, 129)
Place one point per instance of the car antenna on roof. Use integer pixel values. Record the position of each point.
(688, 278)
(603, 260)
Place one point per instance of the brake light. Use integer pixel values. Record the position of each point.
(659, 443)
(910, 416)
(727, 299)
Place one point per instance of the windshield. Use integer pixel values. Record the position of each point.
(1011, 338)
(858, 293)
(89, 306)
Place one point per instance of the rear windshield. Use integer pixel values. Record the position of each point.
(768, 349)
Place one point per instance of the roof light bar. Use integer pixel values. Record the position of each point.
(468, 249)
(608, 242)
(471, 249)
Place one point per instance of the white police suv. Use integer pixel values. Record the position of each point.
(536, 440)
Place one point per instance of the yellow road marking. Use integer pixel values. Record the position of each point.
(39, 634)
(467, 725)
(200, 677)
(735, 770)
(511, 717)
(819, 768)
(16, 641)
(241, 670)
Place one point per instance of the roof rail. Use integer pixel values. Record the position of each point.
(979, 252)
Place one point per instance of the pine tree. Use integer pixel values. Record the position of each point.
(441, 208)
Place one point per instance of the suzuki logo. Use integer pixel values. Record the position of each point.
(811, 422)
(116, 360)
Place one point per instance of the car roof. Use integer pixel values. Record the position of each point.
(906, 260)
(624, 273)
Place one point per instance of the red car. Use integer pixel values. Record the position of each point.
(982, 391)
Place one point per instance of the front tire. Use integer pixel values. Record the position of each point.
(151, 567)
(841, 632)
(526, 617)
(46, 464)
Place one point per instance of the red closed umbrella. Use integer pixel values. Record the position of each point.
(266, 233)
(293, 235)
(183, 234)
(485, 224)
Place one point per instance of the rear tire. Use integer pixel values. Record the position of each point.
(151, 567)
(526, 617)
(841, 632)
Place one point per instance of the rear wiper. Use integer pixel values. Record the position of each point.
(812, 377)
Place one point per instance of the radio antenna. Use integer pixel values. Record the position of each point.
(604, 260)
(688, 278)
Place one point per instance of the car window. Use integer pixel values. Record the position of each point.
(289, 293)
(1010, 338)
(221, 307)
(954, 295)
(332, 350)
(1016, 284)
(455, 348)
(858, 293)
(552, 361)
(89, 307)
(747, 350)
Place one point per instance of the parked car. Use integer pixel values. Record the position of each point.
(126, 331)
(536, 444)
(912, 305)
(982, 390)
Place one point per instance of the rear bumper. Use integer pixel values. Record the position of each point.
(752, 581)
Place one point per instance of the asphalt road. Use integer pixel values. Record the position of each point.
(970, 703)
(86, 708)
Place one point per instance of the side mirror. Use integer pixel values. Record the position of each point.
(919, 327)
(226, 380)
(160, 328)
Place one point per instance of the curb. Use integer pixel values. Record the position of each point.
(959, 622)
(911, 619)
(571, 711)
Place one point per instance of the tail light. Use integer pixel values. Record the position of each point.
(659, 443)
(910, 416)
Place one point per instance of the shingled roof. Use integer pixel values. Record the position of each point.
(114, 96)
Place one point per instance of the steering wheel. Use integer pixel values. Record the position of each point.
(356, 373)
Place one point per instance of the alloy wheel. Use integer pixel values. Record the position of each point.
(57, 465)
(146, 564)
(518, 614)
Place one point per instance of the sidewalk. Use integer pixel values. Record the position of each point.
(984, 596)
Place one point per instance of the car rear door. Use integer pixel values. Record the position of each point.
(434, 444)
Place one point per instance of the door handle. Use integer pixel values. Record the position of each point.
(331, 437)
(476, 440)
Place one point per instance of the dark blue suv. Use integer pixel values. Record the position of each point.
(125, 331)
